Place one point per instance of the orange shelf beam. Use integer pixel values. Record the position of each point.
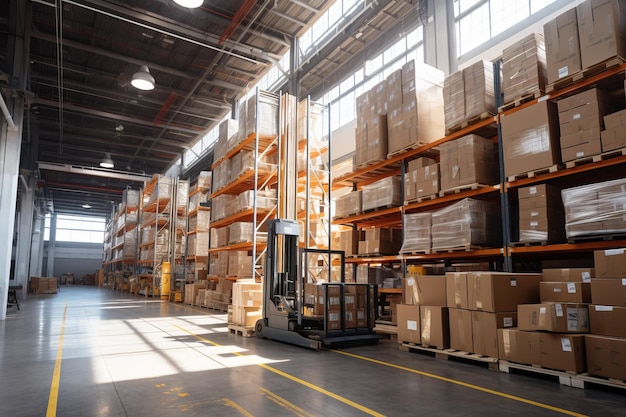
(569, 247)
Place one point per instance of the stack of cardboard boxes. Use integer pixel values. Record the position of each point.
(218, 294)
(421, 179)
(613, 137)
(580, 122)
(43, 285)
(468, 94)
(318, 297)
(595, 209)
(541, 216)
(347, 241)
(383, 193)
(371, 129)
(247, 303)
(584, 36)
(380, 241)
(191, 292)
(349, 204)
(416, 231)
(468, 160)
(524, 68)
(469, 222)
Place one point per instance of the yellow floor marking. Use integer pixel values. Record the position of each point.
(286, 404)
(56, 374)
(183, 394)
(231, 403)
(296, 379)
(465, 384)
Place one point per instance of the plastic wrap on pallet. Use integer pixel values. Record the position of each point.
(343, 167)
(315, 122)
(383, 193)
(200, 222)
(220, 206)
(218, 263)
(222, 175)
(162, 189)
(469, 222)
(196, 199)
(203, 183)
(130, 198)
(454, 99)
(266, 114)
(182, 194)
(595, 209)
(524, 69)
(417, 232)
(200, 244)
(239, 264)
(220, 237)
(351, 203)
(130, 243)
(241, 163)
(130, 218)
(240, 232)
(265, 200)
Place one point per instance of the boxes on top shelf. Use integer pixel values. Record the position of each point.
(416, 228)
(479, 89)
(562, 46)
(530, 139)
(595, 208)
(468, 160)
(467, 223)
(602, 30)
(524, 67)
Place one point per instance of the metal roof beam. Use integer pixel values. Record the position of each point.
(98, 172)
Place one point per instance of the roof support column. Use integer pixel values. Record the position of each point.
(25, 232)
(439, 37)
(294, 72)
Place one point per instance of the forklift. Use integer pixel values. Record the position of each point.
(301, 312)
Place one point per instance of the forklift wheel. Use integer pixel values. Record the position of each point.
(258, 328)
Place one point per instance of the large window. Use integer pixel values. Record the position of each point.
(477, 21)
(77, 229)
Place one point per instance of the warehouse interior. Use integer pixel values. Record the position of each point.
(266, 207)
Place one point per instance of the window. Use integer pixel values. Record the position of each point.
(77, 229)
(477, 21)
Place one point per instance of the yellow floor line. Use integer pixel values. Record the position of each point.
(230, 403)
(286, 404)
(296, 379)
(56, 374)
(464, 384)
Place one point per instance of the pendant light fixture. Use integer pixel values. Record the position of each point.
(142, 79)
(107, 162)
(190, 4)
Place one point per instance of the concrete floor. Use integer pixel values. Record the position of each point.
(116, 355)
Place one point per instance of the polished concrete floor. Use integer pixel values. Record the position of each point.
(91, 352)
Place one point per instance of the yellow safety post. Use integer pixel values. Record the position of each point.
(165, 281)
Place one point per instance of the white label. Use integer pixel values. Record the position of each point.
(563, 71)
(513, 282)
(566, 345)
(611, 252)
(571, 287)
(586, 276)
(508, 322)
(624, 282)
(410, 282)
(579, 154)
(542, 310)
(576, 116)
(534, 224)
(534, 213)
(558, 308)
(411, 325)
(556, 290)
(455, 171)
(532, 190)
(604, 308)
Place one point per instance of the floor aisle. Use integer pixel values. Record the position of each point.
(91, 352)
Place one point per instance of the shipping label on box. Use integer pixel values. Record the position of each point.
(408, 317)
(568, 292)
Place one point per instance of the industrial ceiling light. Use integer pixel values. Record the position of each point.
(142, 79)
(107, 162)
(190, 4)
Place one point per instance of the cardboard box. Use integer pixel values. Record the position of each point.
(554, 317)
(602, 30)
(461, 329)
(518, 346)
(435, 326)
(610, 292)
(612, 139)
(467, 160)
(567, 292)
(530, 138)
(416, 233)
(500, 292)
(479, 89)
(524, 67)
(485, 330)
(568, 274)
(349, 241)
(427, 290)
(456, 290)
(607, 320)
(409, 323)
(610, 263)
(606, 356)
(562, 46)
(454, 99)
(563, 352)
(545, 192)
(315, 297)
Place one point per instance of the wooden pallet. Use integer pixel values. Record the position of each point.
(421, 199)
(534, 173)
(593, 238)
(388, 331)
(580, 75)
(448, 354)
(533, 243)
(407, 148)
(347, 216)
(596, 158)
(375, 209)
(241, 330)
(461, 188)
(416, 252)
(518, 101)
(463, 248)
(469, 122)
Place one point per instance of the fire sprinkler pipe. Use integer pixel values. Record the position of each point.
(238, 17)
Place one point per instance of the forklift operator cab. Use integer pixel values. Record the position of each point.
(329, 319)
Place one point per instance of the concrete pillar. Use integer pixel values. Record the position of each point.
(36, 247)
(52, 243)
(439, 37)
(25, 227)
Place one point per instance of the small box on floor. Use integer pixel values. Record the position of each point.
(409, 323)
